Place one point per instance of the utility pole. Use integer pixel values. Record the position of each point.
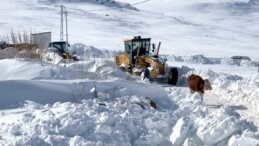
(66, 31)
(66, 26)
(61, 23)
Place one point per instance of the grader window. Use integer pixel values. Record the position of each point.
(128, 47)
(135, 45)
(146, 45)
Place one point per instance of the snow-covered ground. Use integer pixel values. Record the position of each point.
(91, 102)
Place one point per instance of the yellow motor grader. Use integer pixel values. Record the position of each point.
(138, 58)
(62, 50)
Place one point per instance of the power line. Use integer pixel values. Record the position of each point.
(140, 2)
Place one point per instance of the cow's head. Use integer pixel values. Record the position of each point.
(207, 85)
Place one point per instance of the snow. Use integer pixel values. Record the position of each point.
(50, 101)
(181, 128)
(88, 52)
(246, 139)
(8, 53)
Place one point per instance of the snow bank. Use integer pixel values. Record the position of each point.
(52, 91)
(239, 91)
(247, 138)
(29, 69)
(181, 129)
(219, 126)
(201, 59)
(67, 112)
(195, 59)
(205, 128)
(114, 118)
(8, 53)
(88, 52)
(232, 88)
(237, 62)
(97, 69)
(53, 58)
(84, 124)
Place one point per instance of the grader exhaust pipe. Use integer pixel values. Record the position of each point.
(158, 48)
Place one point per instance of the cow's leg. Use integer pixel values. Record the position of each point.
(201, 93)
(192, 91)
(202, 96)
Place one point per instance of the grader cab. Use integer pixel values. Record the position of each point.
(139, 58)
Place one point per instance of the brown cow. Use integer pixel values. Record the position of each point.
(197, 84)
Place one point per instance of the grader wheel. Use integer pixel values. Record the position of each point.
(173, 76)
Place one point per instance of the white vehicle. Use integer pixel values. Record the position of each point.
(240, 58)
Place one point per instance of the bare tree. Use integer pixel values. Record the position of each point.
(19, 36)
(13, 36)
(26, 37)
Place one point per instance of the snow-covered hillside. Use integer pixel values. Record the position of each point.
(183, 27)
(106, 3)
(92, 102)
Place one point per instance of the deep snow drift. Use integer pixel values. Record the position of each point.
(91, 102)
(100, 106)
